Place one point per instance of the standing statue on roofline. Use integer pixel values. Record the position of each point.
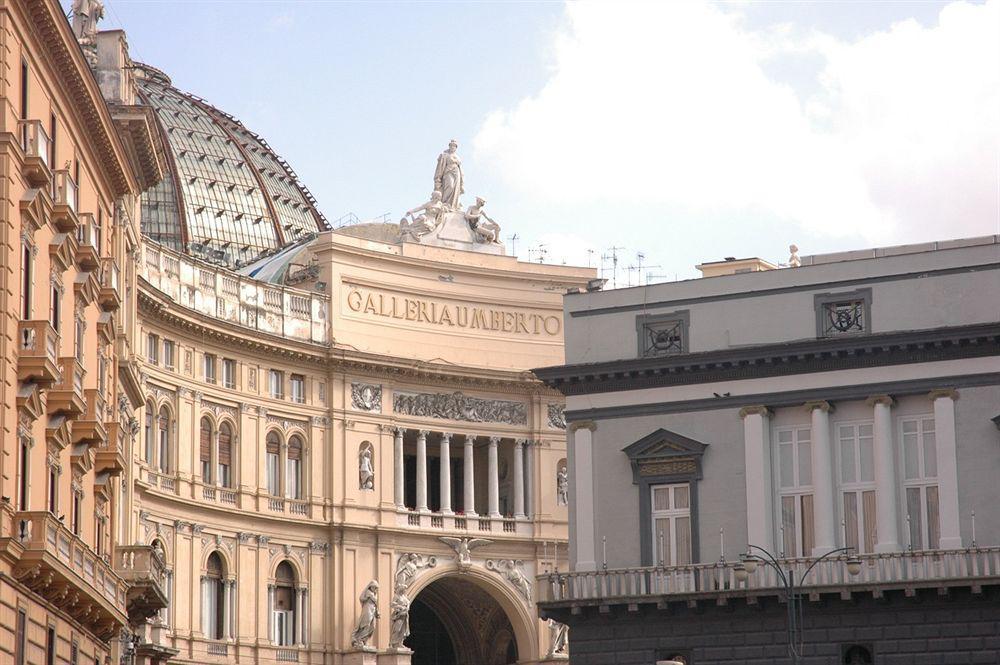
(449, 178)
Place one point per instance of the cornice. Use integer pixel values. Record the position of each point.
(802, 357)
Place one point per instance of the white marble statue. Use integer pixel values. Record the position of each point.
(558, 638)
(562, 486)
(369, 614)
(463, 548)
(86, 14)
(794, 261)
(366, 469)
(518, 579)
(425, 223)
(400, 616)
(486, 229)
(408, 566)
(448, 177)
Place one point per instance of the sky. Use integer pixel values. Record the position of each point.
(681, 131)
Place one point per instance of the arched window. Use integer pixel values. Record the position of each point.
(214, 601)
(205, 450)
(294, 480)
(225, 454)
(273, 457)
(148, 438)
(285, 605)
(163, 433)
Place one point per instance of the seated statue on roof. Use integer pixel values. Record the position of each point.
(414, 227)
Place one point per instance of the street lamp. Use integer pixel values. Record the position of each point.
(748, 565)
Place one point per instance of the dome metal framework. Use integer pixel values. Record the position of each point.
(229, 198)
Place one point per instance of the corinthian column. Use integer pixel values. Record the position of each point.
(422, 471)
(494, 478)
(397, 458)
(445, 473)
(519, 478)
(469, 479)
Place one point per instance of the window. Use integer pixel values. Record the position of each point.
(77, 513)
(20, 637)
(671, 513)
(273, 459)
(275, 382)
(50, 646)
(843, 313)
(225, 454)
(24, 485)
(662, 334)
(163, 435)
(205, 450)
(74, 654)
(27, 276)
(152, 348)
(80, 339)
(855, 450)
(294, 488)
(54, 306)
(169, 354)
(52, 139)
(53, 489)
(284, 605)
(298, 385)
(209, 366)
(920, 485)
(795, 506)
(229, 372)
(149, 435)
(213, 598)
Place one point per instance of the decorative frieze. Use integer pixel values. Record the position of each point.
(366, 397)
(219, 409)
(457, 406)
(285, 423)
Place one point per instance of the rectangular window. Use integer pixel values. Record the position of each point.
(27, 278)
(81, 339)
(152, 348)
(20, 637)
(920, 482)
(229, 372)
(273, 478)
(74, 654)
(54, 306)
(209, 367)
(24, 90)
(77, 516)
(53, 490)
(855, 451)
(671, 525)
(298, 384)
(795, 492)
(50, 646)
(52, 140)
(24, 485)
(276, 381)
(169, 353)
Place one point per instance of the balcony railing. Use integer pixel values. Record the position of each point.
(110, 295)
(56, 563)
(142, 568)
(66, 396)
(889, 569)
(90, 426)
(37, 349)
(36, 145)
(87, 253)
(64, 201)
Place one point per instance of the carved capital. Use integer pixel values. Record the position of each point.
(939, 393)
(758, 410)
(822, 405)
(583, 424)
(885, 400)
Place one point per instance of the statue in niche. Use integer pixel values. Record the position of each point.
(399, 614)
(486, 229)
(448, 177)
(366, 468)
(369, 614)
(414, 227)
(558, 638)
(562, 486)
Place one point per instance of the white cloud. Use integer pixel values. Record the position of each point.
(895, 138)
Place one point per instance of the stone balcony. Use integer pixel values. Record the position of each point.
(66, 396)
(36, 146)
(143, 569)
(719, 582)
(87, 250)
(110, 294)
(37, 352)
(90, 427)
(65, 195)
(109, 456)
(57, 565)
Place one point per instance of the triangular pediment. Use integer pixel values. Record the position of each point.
(664, 444)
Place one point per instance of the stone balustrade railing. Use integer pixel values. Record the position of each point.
(897, 568)
(228, 296)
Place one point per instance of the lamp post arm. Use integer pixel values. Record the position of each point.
(802, 577)
(769, 559)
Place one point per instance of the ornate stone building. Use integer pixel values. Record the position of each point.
(233, 434)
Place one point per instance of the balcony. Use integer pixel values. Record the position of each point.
(88, 246)
(63, 569)
(142, 568)
(109, 456)
(36, 145)
(37, 346)
(66, 395)
(90, 428)
(64, 202)
(717, 581)
(110, 294)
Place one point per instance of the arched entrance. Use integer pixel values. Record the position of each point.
(454, 621)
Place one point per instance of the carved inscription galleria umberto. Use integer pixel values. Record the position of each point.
(452, 315)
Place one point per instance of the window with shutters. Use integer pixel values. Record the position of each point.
(208, 362)
(856, 456)
(169, 354)
(205, 450)
(152, 348)
(276, 383)
(27, 280)
(793, 476)
(225, 454)
(80, 339)
(214, 598)
(294, 487)
(228, 372)
(148, 435)
(20, 637)
(298, 386)
(285, 605)
(671, 514)
(273, 462)
(163, 435)
(920, 482)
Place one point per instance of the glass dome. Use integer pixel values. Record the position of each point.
(228, 198)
